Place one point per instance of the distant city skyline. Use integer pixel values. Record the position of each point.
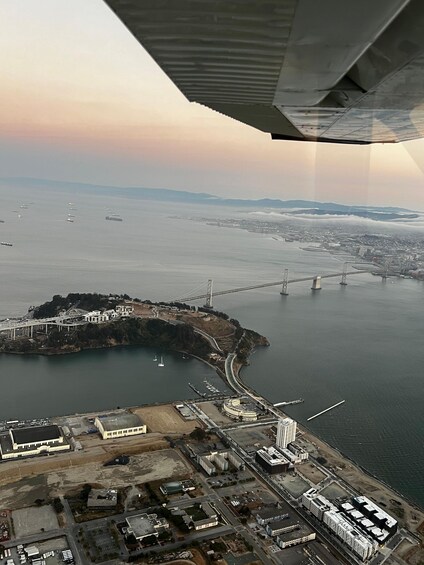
(82, 101)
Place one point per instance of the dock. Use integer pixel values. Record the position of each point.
(289, 402)
(326, 410)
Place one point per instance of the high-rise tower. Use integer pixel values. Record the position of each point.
(286, 432)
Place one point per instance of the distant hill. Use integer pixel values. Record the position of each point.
(168, 195)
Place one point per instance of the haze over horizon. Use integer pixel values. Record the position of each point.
(83, 102)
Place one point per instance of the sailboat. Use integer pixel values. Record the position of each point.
(161, 363)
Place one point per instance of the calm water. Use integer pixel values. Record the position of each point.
(362, 343)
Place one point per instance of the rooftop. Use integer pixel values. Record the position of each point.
(272, 455)
(141, 525)
(301, 531)
(266, 513)
(119, 421)
(35, 434)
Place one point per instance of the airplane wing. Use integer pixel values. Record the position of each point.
(342, 71)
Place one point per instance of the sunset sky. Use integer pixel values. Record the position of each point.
(81, 100)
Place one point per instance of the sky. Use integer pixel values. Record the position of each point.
(82, 101)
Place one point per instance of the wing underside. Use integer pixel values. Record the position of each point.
(344, 71)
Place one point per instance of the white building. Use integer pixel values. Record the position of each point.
(145, 525)
(220, 459)
(286, 432)
(124, 310)
(96, 317)
(119, 424)
(339, 524)
(237, 409)
(37, 440)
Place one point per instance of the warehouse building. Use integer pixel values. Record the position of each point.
(119, 424)
(29, 442)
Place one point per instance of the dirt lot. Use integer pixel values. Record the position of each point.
(165, 419)
(28, 521)
(213, 325)
(311, 473)
(214, 413)
(365, 484)
(334, 491)
(411, 554)
(151, 466)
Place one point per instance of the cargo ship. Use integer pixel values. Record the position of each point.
(6, 243)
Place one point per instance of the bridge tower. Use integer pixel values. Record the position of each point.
(343, 282)
(284, 291)
(209, 295)
(316, 283)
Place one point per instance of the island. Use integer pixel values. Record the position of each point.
(82, 321)
(249, 473)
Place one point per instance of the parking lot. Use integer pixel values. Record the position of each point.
(251, 439)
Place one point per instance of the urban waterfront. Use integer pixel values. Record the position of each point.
(361, 343)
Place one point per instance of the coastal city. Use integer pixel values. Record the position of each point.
(398, 252)
(212, 259)
(226, 477)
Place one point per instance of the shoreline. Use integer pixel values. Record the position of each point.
(357, 471)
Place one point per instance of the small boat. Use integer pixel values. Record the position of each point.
(6, 243)
(161, 363)
(70, 220)
(155, 358)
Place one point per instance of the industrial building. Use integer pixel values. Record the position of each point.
(119, 424)
(145, 525)
(286, 432)
(32, 441)
(238, 409)
(216, 461)
(272, 460)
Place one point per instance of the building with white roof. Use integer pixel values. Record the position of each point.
(119, 424)
(272, 460)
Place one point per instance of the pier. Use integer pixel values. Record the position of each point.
(326, 410)
(288, 402)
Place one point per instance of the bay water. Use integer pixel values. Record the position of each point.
(362, 343)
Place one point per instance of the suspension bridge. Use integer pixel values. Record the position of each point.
(315, 280)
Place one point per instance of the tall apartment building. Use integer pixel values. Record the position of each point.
(286, 432)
